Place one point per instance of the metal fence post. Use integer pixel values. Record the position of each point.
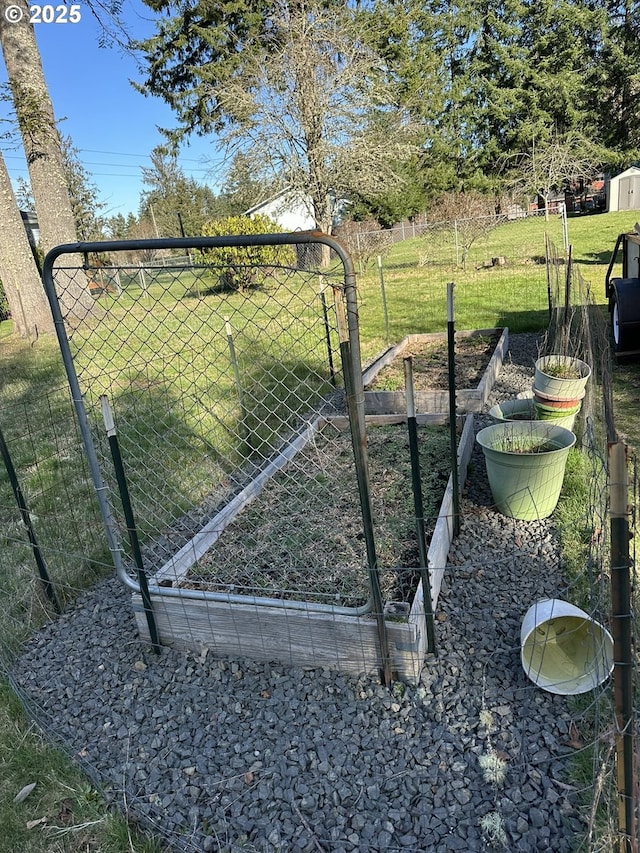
(354, 390)
(47, 584)
(451, 350)
(621, 624)
(418, 505)
(132, 529)
(327, 332)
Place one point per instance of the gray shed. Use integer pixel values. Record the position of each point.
(623, 191)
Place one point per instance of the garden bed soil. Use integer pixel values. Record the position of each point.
(303, 632)
(430, 363)
(478, 361)
(302, 537)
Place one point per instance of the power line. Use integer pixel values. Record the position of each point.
(147, 156)
(202, 169)
(116, 165)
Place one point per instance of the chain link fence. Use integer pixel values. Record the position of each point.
(223, 415)
(458, 242)
(601, 558)
(207, 380)
(210, 388)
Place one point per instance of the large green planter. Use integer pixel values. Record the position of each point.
(553, 387)
(525, 463)
(518, 409)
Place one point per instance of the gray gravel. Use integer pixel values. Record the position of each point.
(221, 756)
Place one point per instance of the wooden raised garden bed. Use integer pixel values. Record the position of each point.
(384, 377)
(232, 619)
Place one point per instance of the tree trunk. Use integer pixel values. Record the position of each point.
(20, 278)
(322, 215)
(42, 148)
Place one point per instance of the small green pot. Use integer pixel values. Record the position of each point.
(525, 463)
(555, 387)
(558, 417)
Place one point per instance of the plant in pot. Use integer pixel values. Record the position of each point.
(561, 380)
(525, 463)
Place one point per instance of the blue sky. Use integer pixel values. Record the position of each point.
(114, 126)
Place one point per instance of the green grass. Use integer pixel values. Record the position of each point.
(63, 813)
(129, 353)
(513, 295)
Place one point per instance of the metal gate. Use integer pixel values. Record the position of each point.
(227, 379)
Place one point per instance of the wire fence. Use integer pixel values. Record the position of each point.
(458, 242)
(211, 390)
(500, 277)
(602, 579)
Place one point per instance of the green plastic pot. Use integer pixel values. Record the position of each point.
(514, 410)
(558, 417)
(556, 388)
(525, 463)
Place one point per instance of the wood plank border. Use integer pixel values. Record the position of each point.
(295, 634)
(467, 399)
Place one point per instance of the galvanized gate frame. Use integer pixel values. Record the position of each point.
(354, 390)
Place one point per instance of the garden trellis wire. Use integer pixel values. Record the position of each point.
(225, 378)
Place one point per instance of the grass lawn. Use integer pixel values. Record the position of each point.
(513, 294)
(129, 354)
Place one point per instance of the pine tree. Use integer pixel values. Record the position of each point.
(618, 92)
(42, 147)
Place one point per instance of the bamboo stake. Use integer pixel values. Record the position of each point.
(384, 301)
(622, 630)
(236, 374)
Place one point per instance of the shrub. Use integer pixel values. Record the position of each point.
(244, 267)
(4, 304)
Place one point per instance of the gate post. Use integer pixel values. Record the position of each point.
(621, 629)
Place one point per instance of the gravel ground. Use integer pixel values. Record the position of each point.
(222, 756)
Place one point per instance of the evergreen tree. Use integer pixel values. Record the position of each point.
(618, 77)
(531, 65)
(172, 201)
(246, 185)
(83, 194)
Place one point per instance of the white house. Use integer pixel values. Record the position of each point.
(31, 225)
(623, 191)
(291, 209)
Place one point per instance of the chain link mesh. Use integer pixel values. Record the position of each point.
(210, 371)
(226, 385)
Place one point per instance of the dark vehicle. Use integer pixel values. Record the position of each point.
(623, 294)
